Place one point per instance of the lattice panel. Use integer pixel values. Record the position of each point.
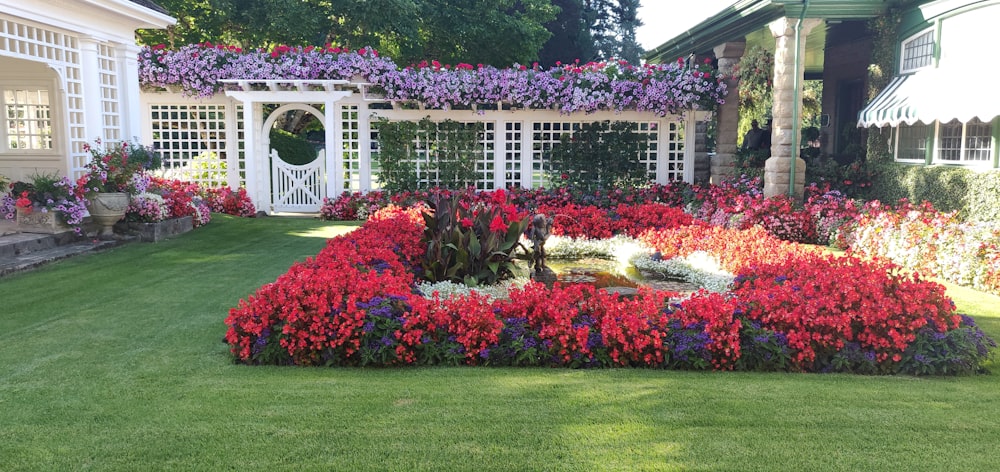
(241, 156)
(24, 40)
(350, 156)
(27, 41)
(673, 151)
(486, 164)
(426, 153)
(650, 131)
(110, 114)
(512, 153)
(191, 139)
(545, 136)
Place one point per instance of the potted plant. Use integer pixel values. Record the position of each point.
(47, 204)
(115, 171)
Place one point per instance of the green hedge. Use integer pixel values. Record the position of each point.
(293, 149)
(975, 194)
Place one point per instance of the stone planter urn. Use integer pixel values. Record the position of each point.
(106, 209)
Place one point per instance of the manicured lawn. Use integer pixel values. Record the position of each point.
(114, 361)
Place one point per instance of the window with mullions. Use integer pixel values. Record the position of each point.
(912, 141)
(965, 143)
(28, 119)
(918, 52)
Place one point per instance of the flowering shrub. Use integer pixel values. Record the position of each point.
(147, 208)
(661, 89)
(225, 200)
(471, 244)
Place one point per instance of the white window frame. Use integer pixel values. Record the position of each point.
(897, 137)
(53, 119)
(962, 161)
(902, 50)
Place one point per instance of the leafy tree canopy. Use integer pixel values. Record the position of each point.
(497, 32)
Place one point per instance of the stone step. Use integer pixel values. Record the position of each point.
(18, 244)
(43, 251)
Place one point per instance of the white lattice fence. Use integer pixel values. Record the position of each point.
(199, 142)
(110, 114)
(513, 145)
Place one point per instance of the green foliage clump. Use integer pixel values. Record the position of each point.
(471, 245)
(425, 154)
(600, 155)
(292, 148)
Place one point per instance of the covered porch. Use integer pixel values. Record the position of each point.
(818, 39)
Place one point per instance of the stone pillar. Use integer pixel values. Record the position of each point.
(702, 162)
(728, 114)
(777, 169)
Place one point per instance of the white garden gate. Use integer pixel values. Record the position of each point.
(295, 188)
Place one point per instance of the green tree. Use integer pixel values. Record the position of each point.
(498, 32)
(571, 38)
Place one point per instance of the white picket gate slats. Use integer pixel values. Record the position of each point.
(297, 188)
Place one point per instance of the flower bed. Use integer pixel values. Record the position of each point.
(790, 309)
(920, 238)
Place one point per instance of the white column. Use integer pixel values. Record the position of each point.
(90, 71)
(499, 152)
(127, 59)
(364, 146)
(690, 129)
(334, 149)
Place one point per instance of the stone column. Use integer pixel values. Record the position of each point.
(728, 114)
(777, 169)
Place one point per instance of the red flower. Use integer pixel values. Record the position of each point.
(466, 223)
(499, 197)
(497, 225)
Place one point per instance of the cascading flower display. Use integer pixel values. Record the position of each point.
(199, 70)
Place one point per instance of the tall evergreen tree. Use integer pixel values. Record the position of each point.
(571, 38)
(627, 15)
(612, 26)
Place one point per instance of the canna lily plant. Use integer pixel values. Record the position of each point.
(471, 244)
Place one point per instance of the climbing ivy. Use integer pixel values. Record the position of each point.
(600, 155)
(884, 31)
(423, 154)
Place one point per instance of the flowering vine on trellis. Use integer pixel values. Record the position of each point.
(662, 89)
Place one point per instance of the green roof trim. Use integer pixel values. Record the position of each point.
(747, 16)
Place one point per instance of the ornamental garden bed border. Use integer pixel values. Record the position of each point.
(158, 231)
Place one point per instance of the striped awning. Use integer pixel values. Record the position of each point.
(929, 96)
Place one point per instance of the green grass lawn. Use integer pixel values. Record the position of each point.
(114, 361)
